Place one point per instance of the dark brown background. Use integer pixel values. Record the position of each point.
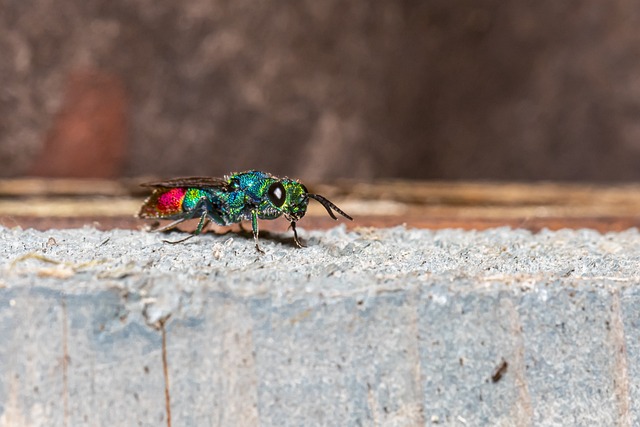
(321, 89)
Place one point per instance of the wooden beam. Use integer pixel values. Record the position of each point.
(56, 203)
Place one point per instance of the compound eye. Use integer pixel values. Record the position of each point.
(276, 194)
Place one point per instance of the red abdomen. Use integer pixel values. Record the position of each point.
(163, 202)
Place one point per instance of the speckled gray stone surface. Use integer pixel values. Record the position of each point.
(371, 327)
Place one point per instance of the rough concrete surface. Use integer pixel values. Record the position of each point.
(389, 327)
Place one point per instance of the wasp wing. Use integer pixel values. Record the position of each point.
(190, 182)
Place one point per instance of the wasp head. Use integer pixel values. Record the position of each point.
(292, 199)
(289, 197)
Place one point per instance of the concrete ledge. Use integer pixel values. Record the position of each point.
(372, 327)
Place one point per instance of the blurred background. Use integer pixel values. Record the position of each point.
(319, 90)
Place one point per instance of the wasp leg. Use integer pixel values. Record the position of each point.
(204, 221)
(174, 224)
(168, 227)
(244, 230)
(175, 242)
(295, 235)
(254, 226)
(201, 225)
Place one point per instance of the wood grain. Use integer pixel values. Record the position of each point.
(64, 203)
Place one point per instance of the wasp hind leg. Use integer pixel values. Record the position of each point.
(201, 225)
(170, 226)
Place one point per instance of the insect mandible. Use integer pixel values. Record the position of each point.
(244, 196)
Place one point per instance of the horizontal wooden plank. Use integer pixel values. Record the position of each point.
(71, 203)
(602, 224)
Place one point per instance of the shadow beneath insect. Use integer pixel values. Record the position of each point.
(271, 236)
(265, 235)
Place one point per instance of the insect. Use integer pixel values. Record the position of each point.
(499, 371)
(244, 196)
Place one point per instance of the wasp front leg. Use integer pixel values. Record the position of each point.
(254, 226)
(295, 235)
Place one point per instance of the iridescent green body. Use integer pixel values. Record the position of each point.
(250, 195)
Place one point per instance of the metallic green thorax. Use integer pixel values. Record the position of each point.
(250, 195)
